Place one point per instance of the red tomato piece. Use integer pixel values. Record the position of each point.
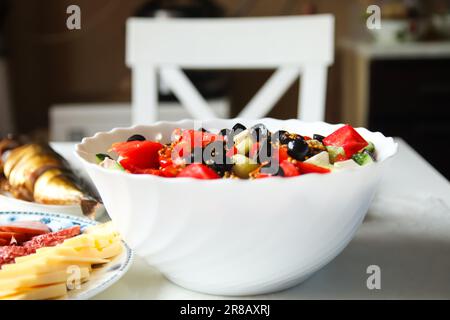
(169, 172)
(347, 138)
(198, 171)
(280, 154)
(310, 168)
(155, 172)
(165, 157)
(138, 154)
(199, 138)
(289, 169)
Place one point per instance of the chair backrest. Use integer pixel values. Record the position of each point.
(294, 46)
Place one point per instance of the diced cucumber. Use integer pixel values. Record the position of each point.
(363, 158)
(243, 166)
(370, 147)
(335, 152)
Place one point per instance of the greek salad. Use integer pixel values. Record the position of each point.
(240, 152)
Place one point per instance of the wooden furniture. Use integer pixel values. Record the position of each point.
(164, 47)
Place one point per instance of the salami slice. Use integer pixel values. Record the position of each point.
(14, 237)
(52, 239)
(9, 253)
(33, 228)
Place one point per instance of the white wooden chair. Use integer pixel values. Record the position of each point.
(294, 46)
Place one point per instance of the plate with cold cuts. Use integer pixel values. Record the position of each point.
(57, 256)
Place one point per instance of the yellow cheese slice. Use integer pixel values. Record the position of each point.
(63, 251)
(40, 293)
(92, 240)
(108, 252)
(33, 280)
(81, 241)
(39, 266)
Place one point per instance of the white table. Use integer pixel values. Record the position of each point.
(406, 233)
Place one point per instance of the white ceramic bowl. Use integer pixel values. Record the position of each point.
(236, 237)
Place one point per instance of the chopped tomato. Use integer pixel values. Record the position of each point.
(151, 171)
(198, 171)
(169, 172)
(138, 154)
(310, 168)
(199, 138)
(165, 157)
(280, 154)
(347, 138)
(306, 138)
(289, 169)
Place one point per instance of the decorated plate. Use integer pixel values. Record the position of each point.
(102, 277)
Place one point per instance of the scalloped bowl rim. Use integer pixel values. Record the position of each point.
(79, 153)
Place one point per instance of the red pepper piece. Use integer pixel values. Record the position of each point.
(289, 169)
(347, 138)
(138, 154)
(305, 168)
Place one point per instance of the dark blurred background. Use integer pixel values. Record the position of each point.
(396, 80)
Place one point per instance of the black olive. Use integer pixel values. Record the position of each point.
(239, 127)
(297, 149)
(318, 137)
(259, 132)
(224, 132)
(136, 137)
(275, 170)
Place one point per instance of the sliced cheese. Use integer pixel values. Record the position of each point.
(40, 293)
(63, 251)
(81, 241)
(38, 266)
(25, 282)
(108, 252)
